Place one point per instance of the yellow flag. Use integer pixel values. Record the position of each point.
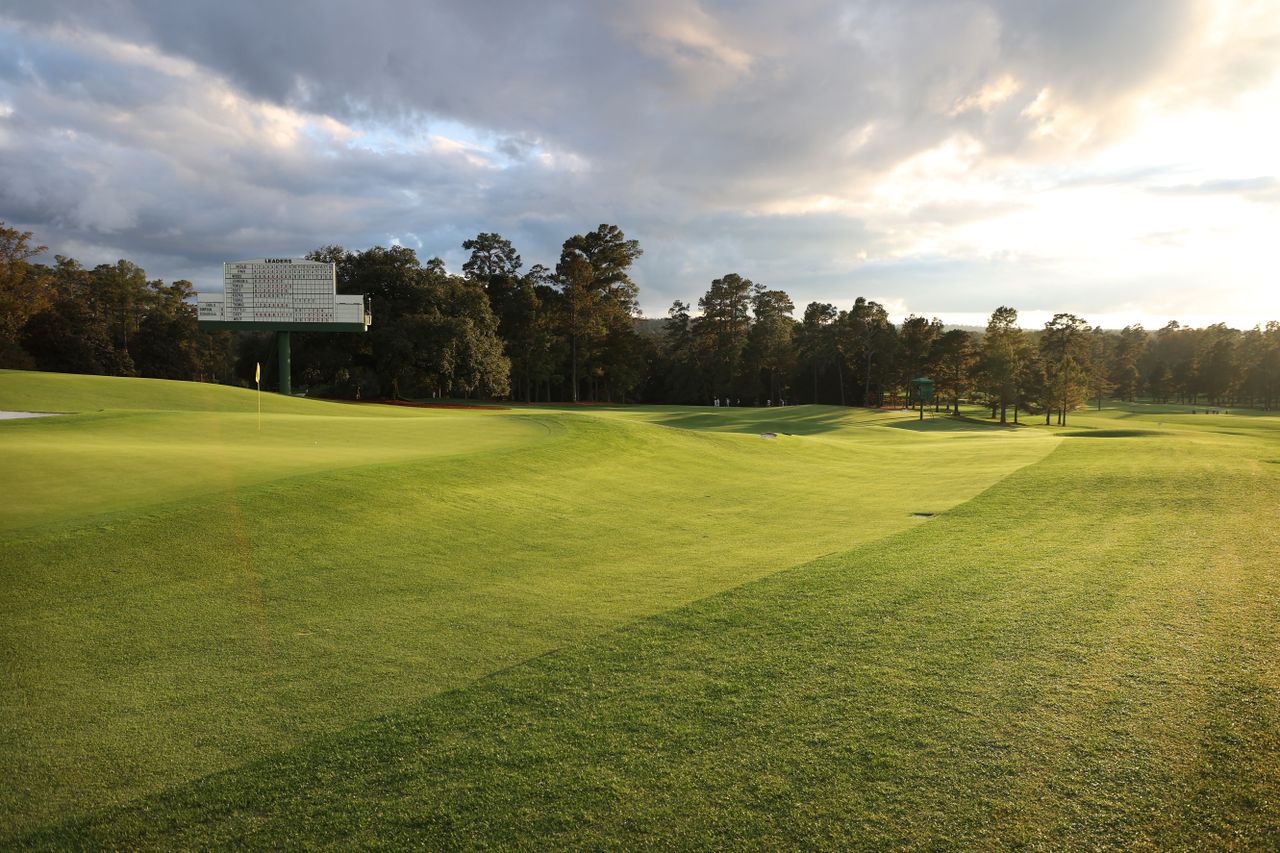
(257, 371)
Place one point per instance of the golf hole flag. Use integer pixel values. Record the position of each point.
(257, 372)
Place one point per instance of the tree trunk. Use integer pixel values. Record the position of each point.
(573, 363)
(866, 388)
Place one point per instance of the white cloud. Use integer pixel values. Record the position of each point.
(989, 96)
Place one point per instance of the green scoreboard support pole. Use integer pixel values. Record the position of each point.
(283, 362)
(924, 392)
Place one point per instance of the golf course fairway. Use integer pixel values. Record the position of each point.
(349, 625)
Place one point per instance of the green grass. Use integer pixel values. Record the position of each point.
(588, 628)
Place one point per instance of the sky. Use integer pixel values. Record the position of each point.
(1116, 159)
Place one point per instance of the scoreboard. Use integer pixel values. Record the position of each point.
(283, 294)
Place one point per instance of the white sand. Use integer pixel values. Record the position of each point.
(5, 416)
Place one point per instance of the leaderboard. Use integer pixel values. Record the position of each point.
(278, 290)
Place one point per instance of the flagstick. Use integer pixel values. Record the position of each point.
(257, 380)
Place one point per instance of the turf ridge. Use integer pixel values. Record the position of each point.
(72, 392)
(1059, 662)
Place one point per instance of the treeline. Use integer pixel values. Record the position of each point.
(744, 345)
(107, 320)
(573, 333)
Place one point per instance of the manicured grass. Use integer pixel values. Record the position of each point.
(68, 392)
(190, 595)
(601, 631)
(158, 441)
(1080, 658)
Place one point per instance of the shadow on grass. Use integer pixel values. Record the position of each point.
(793, 421)
(1115, 433)
(950, 423)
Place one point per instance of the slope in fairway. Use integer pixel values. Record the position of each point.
(1083, 657)
(161, 441)
(168, 618)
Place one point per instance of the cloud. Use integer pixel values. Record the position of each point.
(1265, 190)
(942, 151)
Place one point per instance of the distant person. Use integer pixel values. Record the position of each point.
(717, 403)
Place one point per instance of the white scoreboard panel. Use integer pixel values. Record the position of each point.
(278, 290)
(282, 294)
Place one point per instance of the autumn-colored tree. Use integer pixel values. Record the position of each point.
(24, 292)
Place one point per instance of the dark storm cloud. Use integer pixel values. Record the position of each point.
(146, 128)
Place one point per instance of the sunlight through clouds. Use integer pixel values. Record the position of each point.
(927, 154)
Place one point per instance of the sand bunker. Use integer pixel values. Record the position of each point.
(9, 416)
